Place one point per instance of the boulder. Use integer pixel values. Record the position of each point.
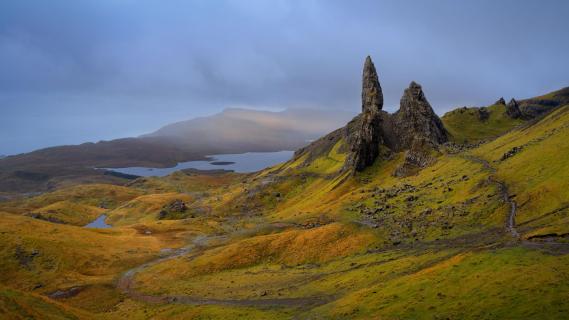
(483, 114)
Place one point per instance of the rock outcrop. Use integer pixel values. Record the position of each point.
(419, 130)
(415, 128)
(364, 142)
(416, 121)
(500, 101)
(513, 109)
(375, 134)
(483, 113)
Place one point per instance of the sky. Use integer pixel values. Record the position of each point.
(73, 71)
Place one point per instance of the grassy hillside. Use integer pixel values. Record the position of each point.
(77, 205)
(536, 172)
(467, 125)
(304, 239)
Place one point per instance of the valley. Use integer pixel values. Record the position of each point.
(394, 216)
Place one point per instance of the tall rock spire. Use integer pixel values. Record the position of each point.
(366, 139)
(372, 96)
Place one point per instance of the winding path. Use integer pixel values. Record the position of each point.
(126, 285)
(511, 219)
(127, 280)
(558, 247)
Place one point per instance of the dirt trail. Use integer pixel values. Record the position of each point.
(511, 219)
(552, 246)
(198, 245)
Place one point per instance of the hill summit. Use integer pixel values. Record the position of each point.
(414, 128)
(355, 226)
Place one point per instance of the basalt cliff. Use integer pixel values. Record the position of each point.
(414, 129)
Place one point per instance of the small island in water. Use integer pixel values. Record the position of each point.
(221, 163)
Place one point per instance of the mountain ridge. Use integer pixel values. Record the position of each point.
(53, 167)
(480, 231)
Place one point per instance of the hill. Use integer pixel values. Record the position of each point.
(472, 125)
(235, 130)
(388, 217)
(232, 131)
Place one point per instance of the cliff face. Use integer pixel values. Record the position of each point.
(366, 139)
(418, 129)
(416, 120)
(415, 128)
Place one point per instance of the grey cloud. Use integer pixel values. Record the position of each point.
(155, 62)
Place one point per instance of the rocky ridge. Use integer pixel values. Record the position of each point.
(414, 128)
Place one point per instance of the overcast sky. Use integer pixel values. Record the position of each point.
(79, 70)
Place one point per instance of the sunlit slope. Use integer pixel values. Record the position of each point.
(281, 250)
(466, 125)
(313, 240)
(39, 259)
(77, 205)
(452, 198)
(534, 163)
(145, 208)
(15, 304)
(498, 284)
(472, 125)
(43, 256)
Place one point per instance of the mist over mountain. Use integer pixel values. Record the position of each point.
(287, 159)
(239, 130)
(231, 131)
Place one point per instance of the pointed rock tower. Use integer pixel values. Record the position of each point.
(416, 120)
(365, 140)
(419, 130)
(375, 134)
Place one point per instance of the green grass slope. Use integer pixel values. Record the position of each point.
(466, 126)
(304, 239)
(534, 164)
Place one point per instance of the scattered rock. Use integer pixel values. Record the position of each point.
(500, 101)
(66, 293)
(177, 206)
(483, 114)
(510, 153)
(48, 218)
(513, 109)
(173, 210)
(25, 258)
(411, 198)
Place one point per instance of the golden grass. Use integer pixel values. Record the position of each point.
(144, 208)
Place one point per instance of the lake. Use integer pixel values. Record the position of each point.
(99, 223)
(241, 162)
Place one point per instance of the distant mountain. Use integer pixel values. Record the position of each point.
(240, 130)
(231, 131)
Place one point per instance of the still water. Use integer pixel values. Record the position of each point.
(243, 162)
(99, 223)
